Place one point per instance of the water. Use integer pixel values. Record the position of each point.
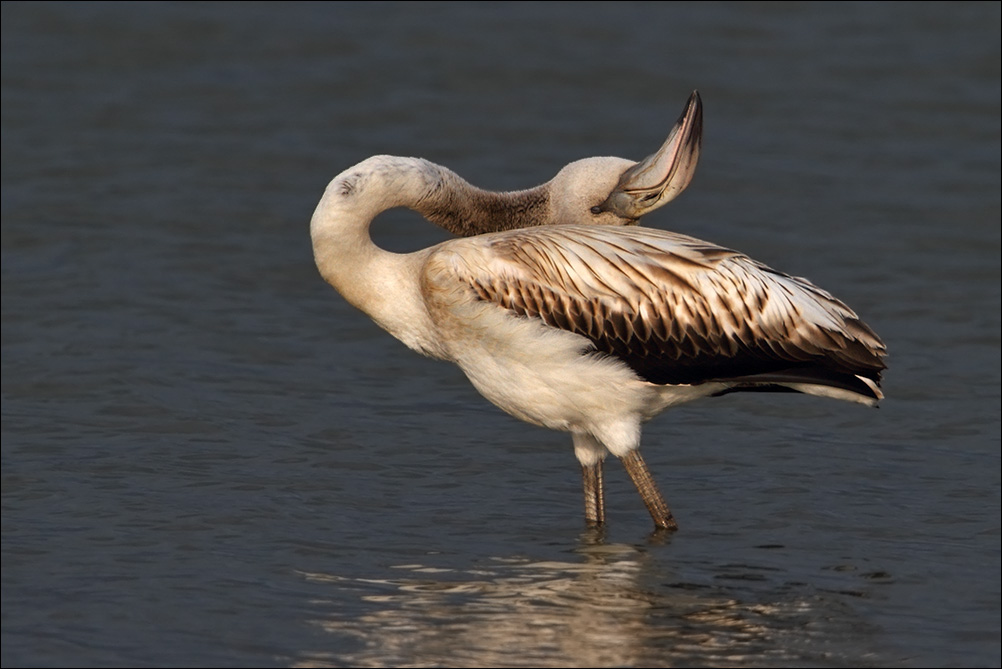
(209, 459)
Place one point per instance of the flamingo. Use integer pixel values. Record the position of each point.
(565, 314)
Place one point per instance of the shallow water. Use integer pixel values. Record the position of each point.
(209, 459)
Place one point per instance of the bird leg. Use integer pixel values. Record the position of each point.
(594, 494)
(637, 469)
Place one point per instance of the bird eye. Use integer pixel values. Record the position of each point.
(596, 209)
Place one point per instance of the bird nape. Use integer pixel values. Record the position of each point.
(564, 314)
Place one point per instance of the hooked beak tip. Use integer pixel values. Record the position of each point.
(660, 177)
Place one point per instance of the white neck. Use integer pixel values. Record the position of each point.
(386, 285)
(382, 284)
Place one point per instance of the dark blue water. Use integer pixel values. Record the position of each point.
(209, 459)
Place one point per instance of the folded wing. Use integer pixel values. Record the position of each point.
(677, 310)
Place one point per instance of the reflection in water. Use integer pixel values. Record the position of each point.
(597, 612)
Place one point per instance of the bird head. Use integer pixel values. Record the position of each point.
(615, 191)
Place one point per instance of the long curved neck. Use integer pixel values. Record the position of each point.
(465, 210)
(386, 285)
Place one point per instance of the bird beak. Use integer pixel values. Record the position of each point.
(659, 178)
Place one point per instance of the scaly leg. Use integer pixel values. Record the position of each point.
(594, 494)
(637, 469)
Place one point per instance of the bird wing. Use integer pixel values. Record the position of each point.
(675, 309)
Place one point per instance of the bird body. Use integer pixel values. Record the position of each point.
(566, 318)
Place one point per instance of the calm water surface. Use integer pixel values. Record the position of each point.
(209, 459)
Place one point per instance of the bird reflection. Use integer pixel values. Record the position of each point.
(605, 610)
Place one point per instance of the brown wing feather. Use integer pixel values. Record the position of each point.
(675, 309)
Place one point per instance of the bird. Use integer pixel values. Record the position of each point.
(565, 313)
